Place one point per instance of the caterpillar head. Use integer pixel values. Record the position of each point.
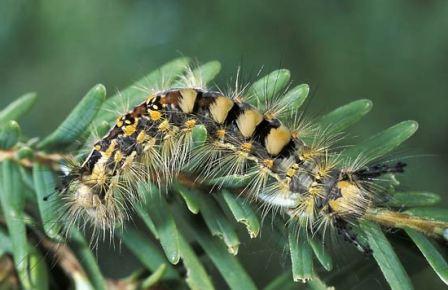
(90, 201)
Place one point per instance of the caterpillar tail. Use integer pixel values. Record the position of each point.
(346, 205)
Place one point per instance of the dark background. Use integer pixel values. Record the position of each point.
(392, 52)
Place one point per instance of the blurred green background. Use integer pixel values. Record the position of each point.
(392, 52)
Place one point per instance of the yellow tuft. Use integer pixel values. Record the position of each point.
(110, 149)
(221, 133)
(118, 156)
(292, 170)
(98, 176)
(189, 124)
(268, 163)
(141, 137)
(348, 202)
(324, 169)
(315, 190)
(309, 153)
(129, 160)
(164, 126)
(131, 127)
(246, 147)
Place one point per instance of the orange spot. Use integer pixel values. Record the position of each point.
(268, 163)
(154, 115)
(190, 123)
(130, 128)
(246, 147)
(220, 133)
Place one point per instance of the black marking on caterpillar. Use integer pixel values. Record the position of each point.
(153, 143)
(380, 169)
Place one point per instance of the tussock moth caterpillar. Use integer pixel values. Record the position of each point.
(289, 165)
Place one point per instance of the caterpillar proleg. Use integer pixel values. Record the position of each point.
(288, 165)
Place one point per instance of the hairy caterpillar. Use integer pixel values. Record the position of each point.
(287, 164)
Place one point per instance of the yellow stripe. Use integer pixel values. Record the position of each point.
(186, 103)
(248, 121)
(220, 108)
(277, 139)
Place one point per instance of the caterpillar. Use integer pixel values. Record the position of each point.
(288, 164)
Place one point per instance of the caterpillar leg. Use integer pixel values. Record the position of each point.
(345, 230)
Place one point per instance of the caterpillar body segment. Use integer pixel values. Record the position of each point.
(153, 142)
